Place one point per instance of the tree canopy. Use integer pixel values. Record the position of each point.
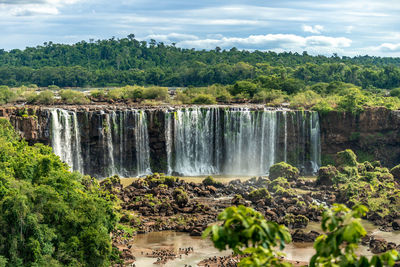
(48, 215)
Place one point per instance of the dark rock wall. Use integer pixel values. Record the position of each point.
(373, 134)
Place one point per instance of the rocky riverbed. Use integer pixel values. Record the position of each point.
(163, 203)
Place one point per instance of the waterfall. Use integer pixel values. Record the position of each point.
(191, 134)
(239, 141)
(249, 141)
(110, 144)
(120, 134)
(315, 141)
(142, 144)
(65, 138)
(198, 141)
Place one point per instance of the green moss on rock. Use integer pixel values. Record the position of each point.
(283, 169)
(327, 175)
(346, 158)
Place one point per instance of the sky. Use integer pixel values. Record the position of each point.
(351, 28)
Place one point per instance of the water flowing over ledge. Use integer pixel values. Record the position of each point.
(240, 141)
(185, 141)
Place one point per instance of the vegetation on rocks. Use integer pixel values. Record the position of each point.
(283, 169)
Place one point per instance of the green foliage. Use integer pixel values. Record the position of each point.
(346, 158)
(98, 93)
(48, 217)
(272, 97)
(327, 175)
(73, 97)
(283, 169)
(209, 180)
(245, 231)
(53, 87)
(204, 99)
(45, 97)
(344, 231)
(153, 92)
(244, 87)
(181, 198)
(258, 194)
(395, 171)
(353, 101)
(305, 99)
(6, 95)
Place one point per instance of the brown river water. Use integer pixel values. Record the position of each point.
(204, 248)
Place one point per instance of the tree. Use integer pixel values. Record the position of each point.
(246, 232)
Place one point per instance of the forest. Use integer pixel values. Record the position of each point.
(128, 61)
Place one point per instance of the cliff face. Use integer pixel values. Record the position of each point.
(96, 126)
(373, 135)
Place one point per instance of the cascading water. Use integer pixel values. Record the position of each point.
(239, 141)
(315, 142)
(65, 138)
(115, 132)
(198, 141)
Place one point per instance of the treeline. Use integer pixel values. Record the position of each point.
(129, 61)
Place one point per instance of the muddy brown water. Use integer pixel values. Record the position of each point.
(203, 249)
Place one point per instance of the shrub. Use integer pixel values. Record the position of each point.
(279, 182)
(258, 194)
(53, 87)
(244, 87)
(158, 93)
(368, 166)
(211, 181)
(204, 99)
(395, 92)
(353, 101)
(73, 97)
(295, 221)
(322, 107)
(346, 158)
(283, 169)
(246, 232)
(45, 97)
(305, 99)
(181, 198)
(395, 171)
(224, 96)
(134, 93)
(274, 97)
(326, 175)
(97, 93)
(6, 95)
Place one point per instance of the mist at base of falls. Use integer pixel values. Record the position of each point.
(196, 141)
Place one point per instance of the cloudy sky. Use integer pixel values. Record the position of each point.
(356, 27)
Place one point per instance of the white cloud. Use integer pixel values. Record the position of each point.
(34, 7)
(271, 41)
(172, 37)
(389, 47)
(317, 29)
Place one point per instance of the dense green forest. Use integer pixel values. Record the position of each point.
(48, 215)
(128, 61)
